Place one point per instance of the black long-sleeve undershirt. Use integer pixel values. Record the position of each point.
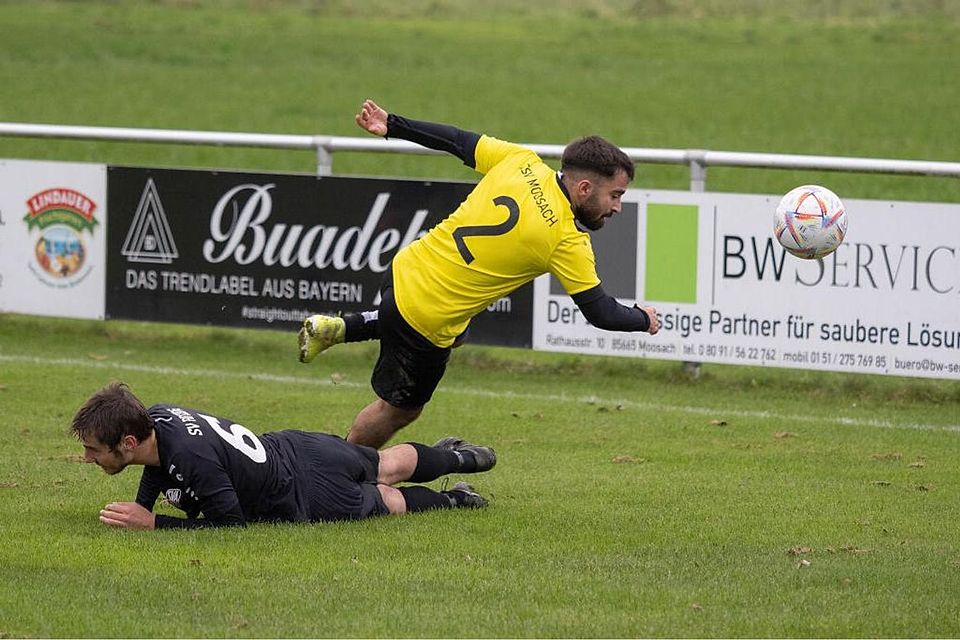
(604, 312)
(432, 135)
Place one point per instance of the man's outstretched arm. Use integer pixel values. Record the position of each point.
(604, 312)
(221, 509)
(442, 137)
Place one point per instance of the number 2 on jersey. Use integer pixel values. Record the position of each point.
(488, 229)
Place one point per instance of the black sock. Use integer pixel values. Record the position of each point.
(361, 326)
(433, 463)
(424, 499)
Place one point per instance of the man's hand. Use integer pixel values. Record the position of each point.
(372, 118)
(127, 515)
(654, 319)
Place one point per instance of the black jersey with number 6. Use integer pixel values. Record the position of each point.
(219, 468)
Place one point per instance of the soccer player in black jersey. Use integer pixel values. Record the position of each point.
(523, 219)
(219, 473)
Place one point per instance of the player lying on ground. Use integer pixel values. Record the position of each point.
(210, 466)
(523, 219)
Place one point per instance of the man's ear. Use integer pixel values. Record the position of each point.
(129, 442)
(584, 187)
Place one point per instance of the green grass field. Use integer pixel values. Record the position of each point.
(852, 78)
(629, 500)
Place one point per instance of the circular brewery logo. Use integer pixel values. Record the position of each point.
(58, 220)
(60, 251)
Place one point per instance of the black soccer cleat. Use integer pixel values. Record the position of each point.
(485, 457)
(464, 497)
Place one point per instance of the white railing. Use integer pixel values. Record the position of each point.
(325, 146)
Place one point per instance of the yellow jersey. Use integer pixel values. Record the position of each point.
(515, 225)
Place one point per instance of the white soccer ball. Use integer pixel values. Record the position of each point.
(810, 222)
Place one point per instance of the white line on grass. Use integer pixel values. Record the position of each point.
(592, 399)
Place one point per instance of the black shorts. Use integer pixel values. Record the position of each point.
(339, 478)
(410, 366)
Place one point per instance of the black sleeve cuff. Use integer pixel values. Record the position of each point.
(170, 522)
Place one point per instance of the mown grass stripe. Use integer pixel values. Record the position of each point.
(453, 389)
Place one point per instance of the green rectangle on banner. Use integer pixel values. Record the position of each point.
(671, 256)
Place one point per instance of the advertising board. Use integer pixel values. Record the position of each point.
(267, 250)
(52, 238)
(887, 301)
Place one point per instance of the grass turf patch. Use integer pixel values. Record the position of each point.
(628, 501)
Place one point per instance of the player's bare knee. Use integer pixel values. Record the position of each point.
(392, 498)
(397, 464)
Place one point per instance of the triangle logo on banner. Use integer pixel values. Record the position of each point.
(149, 238)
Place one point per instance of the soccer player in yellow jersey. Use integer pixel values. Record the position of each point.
(523, 219)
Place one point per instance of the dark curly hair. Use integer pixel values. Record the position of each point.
(595, 155)
(110, 414)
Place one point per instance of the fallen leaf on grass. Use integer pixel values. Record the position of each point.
(195, 595)
(799, 551)
(881, 483)
(337, 378)
(855, 549)
(718, 423)
(891, 456)
(696, 607)
(627, 460)
(920, 463)
(9, 485)
(850, 548)
(803, 563)
(924, 487)
(780, 435)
